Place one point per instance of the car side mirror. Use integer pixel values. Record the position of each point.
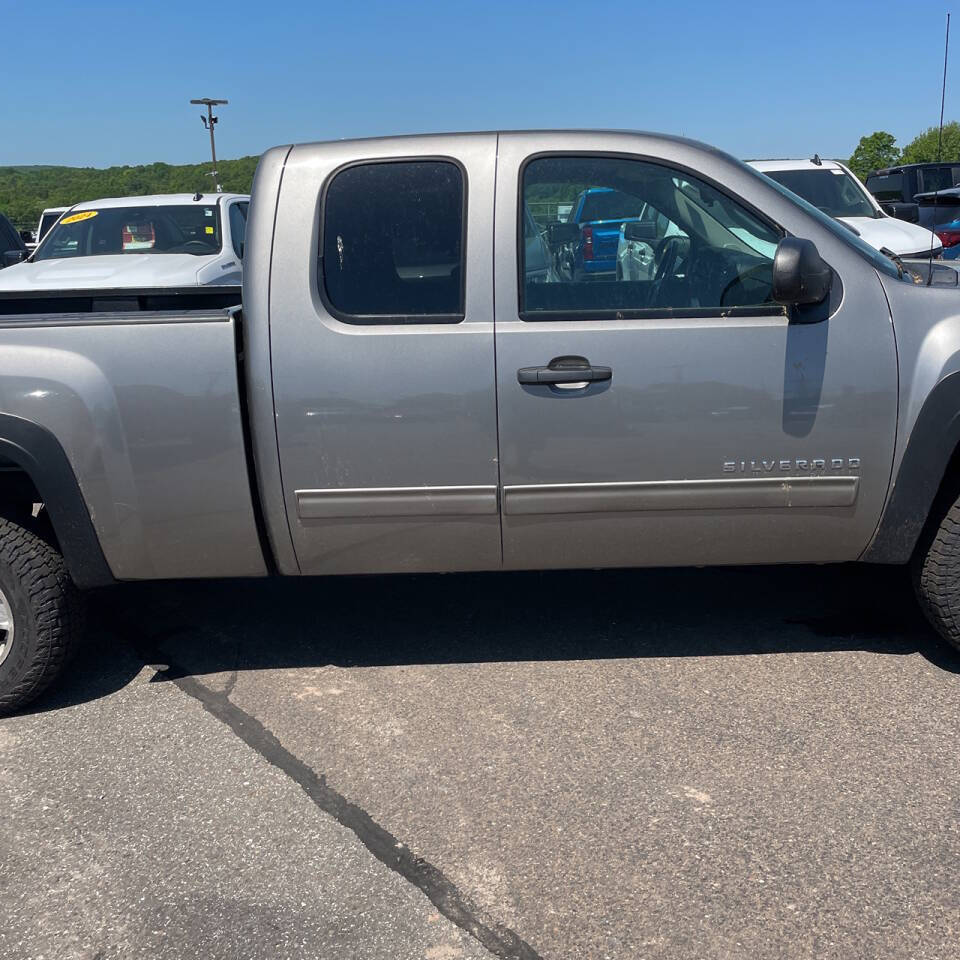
(10, 257)
(637, 230)
(560, 233)
(800, 275)
(902, 211)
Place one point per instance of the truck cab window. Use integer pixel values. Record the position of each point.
(392, 243)
(642, 237)
(238, 227)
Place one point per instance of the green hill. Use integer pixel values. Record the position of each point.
(25, 191)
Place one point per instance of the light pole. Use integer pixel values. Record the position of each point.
(209, 121)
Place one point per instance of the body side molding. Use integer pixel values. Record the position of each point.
(337, 503)
(739, 493)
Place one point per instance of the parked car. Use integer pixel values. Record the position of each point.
(394, 392)
(539, 258)
(599, 212)
(896, 188)
(170, 240)
(939, 211)
(48, 217)
(835, 189)
(12, 247)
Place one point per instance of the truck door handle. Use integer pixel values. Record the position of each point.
(561, 370)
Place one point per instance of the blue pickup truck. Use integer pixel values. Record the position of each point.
(600, 212)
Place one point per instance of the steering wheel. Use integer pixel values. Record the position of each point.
(668, 253)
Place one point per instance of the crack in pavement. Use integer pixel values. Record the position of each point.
(439, 890)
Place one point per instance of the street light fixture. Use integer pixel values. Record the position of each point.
(209, 121)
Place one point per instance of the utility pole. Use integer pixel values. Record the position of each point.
(209, 121)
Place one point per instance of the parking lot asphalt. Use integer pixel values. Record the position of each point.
(627, 764)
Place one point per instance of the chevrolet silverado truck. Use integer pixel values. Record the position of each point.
(399, 390)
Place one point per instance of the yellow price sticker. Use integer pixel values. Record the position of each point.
(78, 217)
(209, 229)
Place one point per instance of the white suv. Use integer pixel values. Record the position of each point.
(835, 190)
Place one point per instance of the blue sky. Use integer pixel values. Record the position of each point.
(109, 83)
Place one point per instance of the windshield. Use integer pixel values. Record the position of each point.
(190, 228)
(833, 191)
(882, 263)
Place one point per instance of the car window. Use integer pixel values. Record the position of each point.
(646, 238)
(47, 220)
(163, 229)
(831, 189)
(238, 227)
(392, 243)
(938, 178)
(9, 239)
(886, 186)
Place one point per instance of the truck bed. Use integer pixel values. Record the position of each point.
(141, 390)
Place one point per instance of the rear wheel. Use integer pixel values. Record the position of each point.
(40, 615)
(936, 575)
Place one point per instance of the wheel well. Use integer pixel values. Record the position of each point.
(946, 495)
(20, 500)
(38, 487)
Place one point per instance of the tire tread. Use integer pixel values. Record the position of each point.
(55, 602)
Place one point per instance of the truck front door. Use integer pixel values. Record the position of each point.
(382, 354)
(676, 415)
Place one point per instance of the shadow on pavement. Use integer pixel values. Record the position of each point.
(215, 627)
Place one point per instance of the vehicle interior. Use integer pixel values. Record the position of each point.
(135, 230)
(708, 250)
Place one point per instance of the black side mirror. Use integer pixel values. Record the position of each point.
(902, 211)
(637, 230)
(10, 257)
(560, 233)
(800, 274)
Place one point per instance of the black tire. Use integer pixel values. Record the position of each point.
(46, 610)
(936, 575)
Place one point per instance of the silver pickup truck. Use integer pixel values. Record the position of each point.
(407, 388)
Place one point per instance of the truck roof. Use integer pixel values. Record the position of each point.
(157, 200)
(883, 171)
(765, 166)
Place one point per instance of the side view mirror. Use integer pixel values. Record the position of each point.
(902, 211)
(800, 275)
(635, 230)
(10, 257)
(560, 233)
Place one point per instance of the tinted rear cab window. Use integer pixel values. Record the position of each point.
(392, 247)
(886, 186)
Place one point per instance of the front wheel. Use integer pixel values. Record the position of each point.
(936, 575)
(40, 615)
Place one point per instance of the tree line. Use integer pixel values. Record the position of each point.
(25, 191)
(879, 149)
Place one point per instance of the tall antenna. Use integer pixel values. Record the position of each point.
(943, 98)
(943, 92)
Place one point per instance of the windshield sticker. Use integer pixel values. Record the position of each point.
(208, 212)
(77, 217)
(209, 229)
